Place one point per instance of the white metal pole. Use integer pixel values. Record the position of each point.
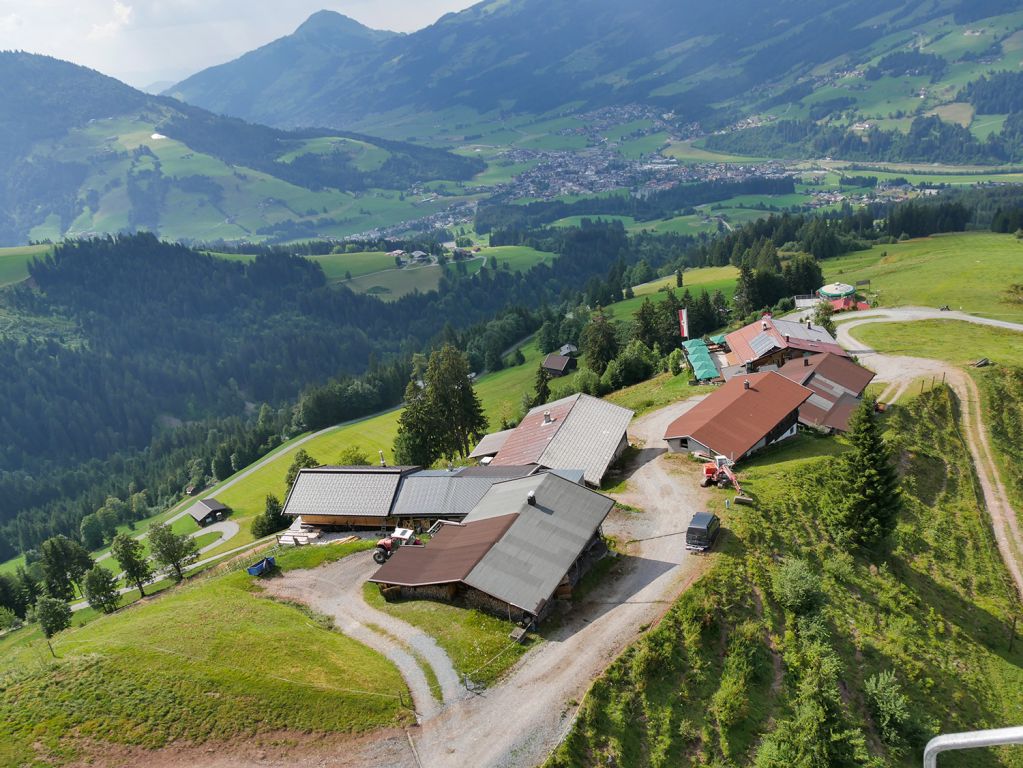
(970, 740)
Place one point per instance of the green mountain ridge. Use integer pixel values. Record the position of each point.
(709, 62)
(81, 153)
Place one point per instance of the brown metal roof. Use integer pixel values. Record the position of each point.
(556, 362)
(526, 444)
(733, 419)
(836, 383)
(448, 557)
(753, 341)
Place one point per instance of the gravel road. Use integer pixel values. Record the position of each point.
(336, 590)
(900, 371)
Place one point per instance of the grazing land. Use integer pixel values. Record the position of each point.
(135, 678)
(14, 262)
(956, 342)
(971, 271)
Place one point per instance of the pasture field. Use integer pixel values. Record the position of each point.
(519, 258)
(392, 284)
(950, 340)
(971, 271)
(14, 262)
(337, 265)
(134, 678)
(689, 152)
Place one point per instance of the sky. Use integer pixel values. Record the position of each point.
(148, 41)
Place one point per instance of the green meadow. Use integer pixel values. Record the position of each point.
(14, 262)
(970, 271)
(135, 678)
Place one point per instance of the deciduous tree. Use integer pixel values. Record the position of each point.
(100, 589)
(65, 563)
(130, 555)
(53, 615)
(172, 551)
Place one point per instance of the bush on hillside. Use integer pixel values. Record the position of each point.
(797, 587)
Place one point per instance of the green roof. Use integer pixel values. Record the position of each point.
(719, 339)
(700, 359)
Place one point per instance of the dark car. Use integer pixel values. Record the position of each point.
(702, 531)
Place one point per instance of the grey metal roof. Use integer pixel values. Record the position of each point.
(202, 509)
(525, 566)
(588, 438)
(345, 491)
(444, 494)
(490, 444)
(572, 475)
(800, 331)
(501, 472)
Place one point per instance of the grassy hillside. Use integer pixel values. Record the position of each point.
(957, 342)
(14, 262)
(729, 664)
(971, 271)
(135, 678)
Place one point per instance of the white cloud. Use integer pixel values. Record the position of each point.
(120, 18)
(142, 41)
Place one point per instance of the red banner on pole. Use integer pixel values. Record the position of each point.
(683, 322)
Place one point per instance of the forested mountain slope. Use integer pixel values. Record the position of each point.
(704, 60)
(81, 153)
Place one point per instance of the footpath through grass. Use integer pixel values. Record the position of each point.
(730, 676)
(211, 661)
(477, 643)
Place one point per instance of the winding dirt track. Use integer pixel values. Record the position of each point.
(901, 371)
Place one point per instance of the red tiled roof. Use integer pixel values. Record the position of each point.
(733, 419)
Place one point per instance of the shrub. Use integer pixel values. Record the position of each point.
(889, 707)
(797, 587)
(676, 362)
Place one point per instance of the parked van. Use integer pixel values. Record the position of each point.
(702, 531)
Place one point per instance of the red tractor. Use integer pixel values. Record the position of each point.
(402, 537)
(719, 472)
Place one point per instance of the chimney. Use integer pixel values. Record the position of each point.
(763, 325)
(809, 324)
(786, 338)
(531, 499)
(547, 418)
(383, 461)
(806, 362)
(746, 384)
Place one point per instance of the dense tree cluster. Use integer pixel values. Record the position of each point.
(668, 202)
(929, 139)
(443, 416)
(997, 94)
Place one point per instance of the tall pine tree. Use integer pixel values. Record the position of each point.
(869, 501)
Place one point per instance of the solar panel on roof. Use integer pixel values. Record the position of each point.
(763, 343)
